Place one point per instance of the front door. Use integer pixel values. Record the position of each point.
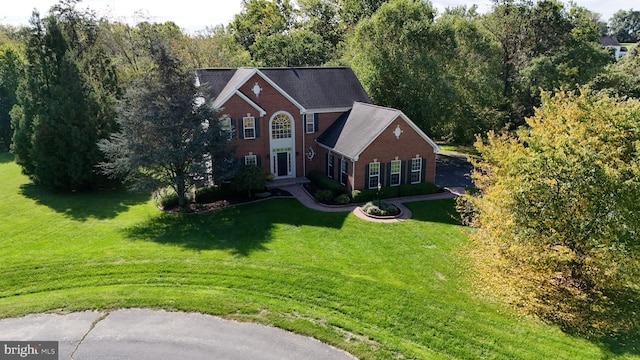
(282, 145)
(282, 158)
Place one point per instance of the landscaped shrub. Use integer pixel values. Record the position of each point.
(417, 189)
(324, 183)
(209, 194)
(324, 196)
(343, 199)
(385, 209)
(249, 179)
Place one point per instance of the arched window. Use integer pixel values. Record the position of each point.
(281, 127)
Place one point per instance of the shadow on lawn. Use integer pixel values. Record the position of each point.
(436, 211)
(103, 204)
(241, 229)
(6, 157)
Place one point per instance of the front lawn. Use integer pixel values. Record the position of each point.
(379, 291)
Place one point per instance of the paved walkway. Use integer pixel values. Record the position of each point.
(299, 192)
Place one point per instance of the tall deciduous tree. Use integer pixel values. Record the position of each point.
(396, 54)
(557, 214)
(625, 25)
(68, 101)
(298, 48)
(167, 131)
(261, 18)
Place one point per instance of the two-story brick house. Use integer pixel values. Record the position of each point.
(292, 121)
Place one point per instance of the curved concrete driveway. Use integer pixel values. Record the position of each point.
(157, 334)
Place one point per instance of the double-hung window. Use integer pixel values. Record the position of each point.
(416, 170)
(249, 127)
(396, 169)
(226, 127)
(343, 172)
(251, 159)
(330, 166)
(310, 123)
(374, 175)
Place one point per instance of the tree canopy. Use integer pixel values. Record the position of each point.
(168, 136)
(67, 101)
(557, 214)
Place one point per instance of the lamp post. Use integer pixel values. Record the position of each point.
(379, 187)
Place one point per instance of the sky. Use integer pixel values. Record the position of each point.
(195, 15)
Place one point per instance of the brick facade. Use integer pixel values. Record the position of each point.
(256, 95)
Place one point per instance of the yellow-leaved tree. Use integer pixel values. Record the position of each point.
(557, 213)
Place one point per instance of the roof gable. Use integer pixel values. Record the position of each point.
(357, 129)
(310, 89)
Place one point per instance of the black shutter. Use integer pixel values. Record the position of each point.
(381, 175)
(424, 171)
(403, 172)
(409, 166)
(256, 123)
(240, 128)
(388, 174)
(315, 122)
(366, 176)
(258, 160)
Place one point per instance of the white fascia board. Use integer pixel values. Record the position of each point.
(336, 151)
(415, 127)
(279, 89)
(250, 102)
(328, 110)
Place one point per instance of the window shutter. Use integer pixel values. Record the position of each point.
(366, 176)
(240, 128)
(256, 123)
(389, 174)
(424, 170)
(403, 172)
(408, 170)
(315, 122)
(258, 160)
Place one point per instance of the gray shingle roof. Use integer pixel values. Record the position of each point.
(312, 87)
(353, 132)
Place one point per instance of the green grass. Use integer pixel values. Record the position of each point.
(379, 291)
(448, 149)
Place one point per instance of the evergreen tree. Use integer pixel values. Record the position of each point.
(67, 103)
(11, 72)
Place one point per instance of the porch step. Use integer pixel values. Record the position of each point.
(280, 183)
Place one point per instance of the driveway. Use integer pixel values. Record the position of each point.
(452, 171)
(144, 334)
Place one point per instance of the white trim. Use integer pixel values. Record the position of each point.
(250, 102)
(370, 176)
(254, 160)
(245, 128)
(307, 123)
(282, 92)
(419, 171)
(391, 173)
(404, 117)
(328, 110)
(336, 151)
(288, 143)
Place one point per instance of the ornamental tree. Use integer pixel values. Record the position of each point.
(168, 135)
(557, 213)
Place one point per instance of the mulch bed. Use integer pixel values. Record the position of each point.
(199, 208)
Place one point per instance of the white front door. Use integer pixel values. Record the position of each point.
(282, 145)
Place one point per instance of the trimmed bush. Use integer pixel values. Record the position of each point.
(324, 183)
(385, 209)
(343, 199)
(417, 189)
(324, 196)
